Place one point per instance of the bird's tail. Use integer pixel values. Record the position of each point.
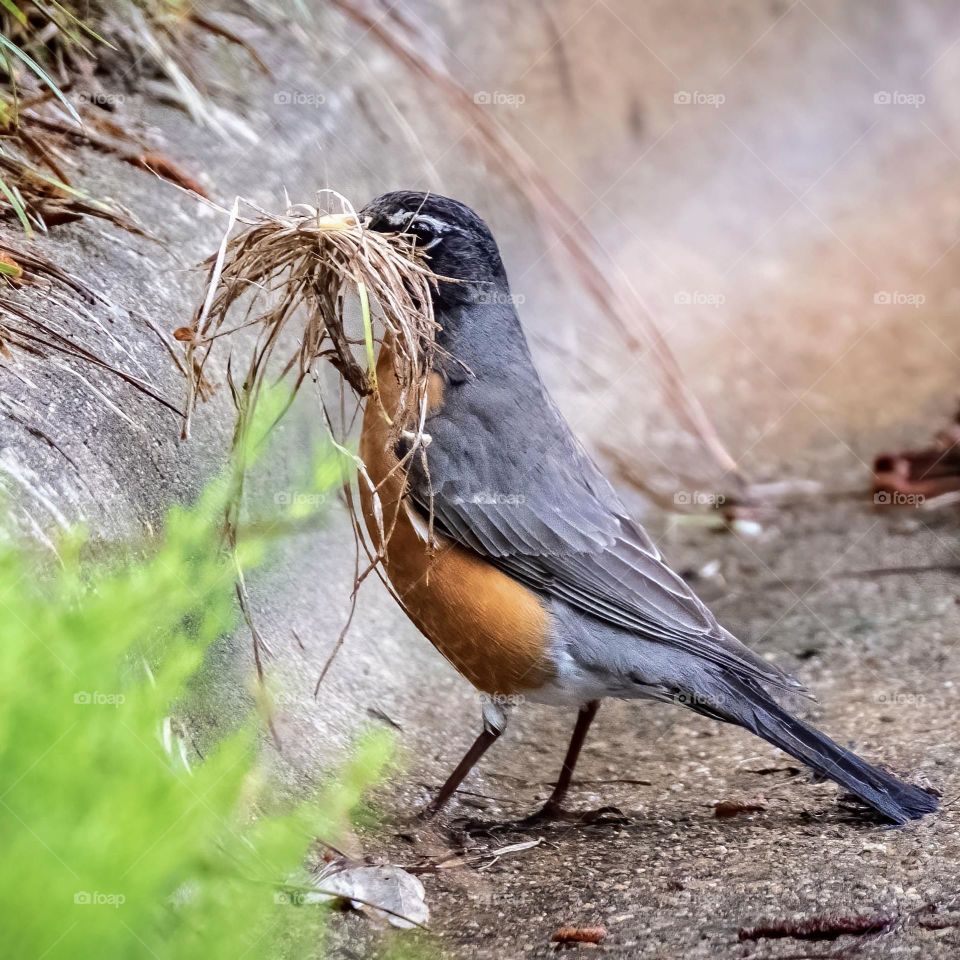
(748, 705)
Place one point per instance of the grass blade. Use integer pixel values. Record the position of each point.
(17, 205)
(42, 74)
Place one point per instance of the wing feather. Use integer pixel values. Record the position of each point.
(560, 527)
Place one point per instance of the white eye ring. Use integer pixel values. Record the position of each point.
(405, 220)
(437, 226)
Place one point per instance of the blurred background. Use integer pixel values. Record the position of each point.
(774, 181)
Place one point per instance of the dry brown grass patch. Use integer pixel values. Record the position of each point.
(286, 280)
(292, 273)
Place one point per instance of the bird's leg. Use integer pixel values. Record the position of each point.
(553, 808)
(494, 723)
(479, 748)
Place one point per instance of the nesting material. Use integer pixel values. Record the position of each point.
(287, 279)
(292, 273)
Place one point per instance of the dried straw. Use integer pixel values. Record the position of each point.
(293, 273)
(309, 259)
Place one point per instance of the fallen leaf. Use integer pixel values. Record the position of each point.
(166, 168)
(725, 809)
(909, 477)
(824, 927)
(386, 892)
(515, 848)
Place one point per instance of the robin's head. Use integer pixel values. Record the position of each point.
(457, 242)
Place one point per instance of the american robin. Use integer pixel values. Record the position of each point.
(512, 553)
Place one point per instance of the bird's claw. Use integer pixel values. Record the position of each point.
(602, 816)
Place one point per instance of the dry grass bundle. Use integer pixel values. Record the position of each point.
(288, 277)
(308, 258)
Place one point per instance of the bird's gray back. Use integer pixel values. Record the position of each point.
(506, 478)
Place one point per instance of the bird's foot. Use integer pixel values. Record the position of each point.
(426, 813)
(601, 817)
(554, 813)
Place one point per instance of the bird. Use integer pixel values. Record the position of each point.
(512, 553)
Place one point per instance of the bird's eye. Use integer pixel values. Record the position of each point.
(421, 227)
(425, 229)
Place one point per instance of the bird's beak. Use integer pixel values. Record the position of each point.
(338, 221)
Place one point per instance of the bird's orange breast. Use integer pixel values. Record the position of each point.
(491, 628)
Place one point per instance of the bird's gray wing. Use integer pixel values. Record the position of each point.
(546, 516)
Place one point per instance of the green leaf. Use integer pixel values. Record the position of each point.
(42, 74)
(127, 843)
(82, 24)
(14, 200)
(368, 333)
(14, 11)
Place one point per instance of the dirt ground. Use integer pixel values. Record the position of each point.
(674, 880)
